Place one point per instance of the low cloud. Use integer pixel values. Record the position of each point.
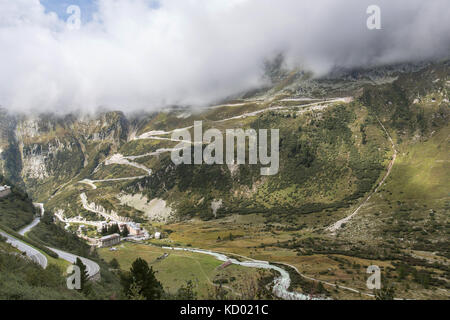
(136, 55)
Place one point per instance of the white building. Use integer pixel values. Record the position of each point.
(109, 241)
(134, 229)
(4, 191)
(101, 226)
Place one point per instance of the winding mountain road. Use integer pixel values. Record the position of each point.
(30, 226)
(31, 252)
(92, 267)
(35, 222)
(91, 183)
(282, 283)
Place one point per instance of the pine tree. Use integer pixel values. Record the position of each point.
(114, 229)
(114, 263)
(187, 292)
(134, 292)
(143, 277)
(84, 277)
(125, 232)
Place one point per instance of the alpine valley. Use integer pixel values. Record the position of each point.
(363, 180)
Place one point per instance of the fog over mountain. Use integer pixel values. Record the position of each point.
(140, 54)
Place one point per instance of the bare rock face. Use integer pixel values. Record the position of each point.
(216, 205)
(154, 210)
(51, 150)
(34, 167)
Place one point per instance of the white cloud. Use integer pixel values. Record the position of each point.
(132, 56)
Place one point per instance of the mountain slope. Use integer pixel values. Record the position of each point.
(16, 209)
(334, 152)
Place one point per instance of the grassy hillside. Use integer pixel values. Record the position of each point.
(332, 157)
(403, 228)
(22, 279)
(328, 159)
(54, 235)
(179, 267)
(16, 210)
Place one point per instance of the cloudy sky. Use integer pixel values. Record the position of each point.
(146, 54)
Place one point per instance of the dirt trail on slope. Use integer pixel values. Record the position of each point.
(336, 226)
(281, 283)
